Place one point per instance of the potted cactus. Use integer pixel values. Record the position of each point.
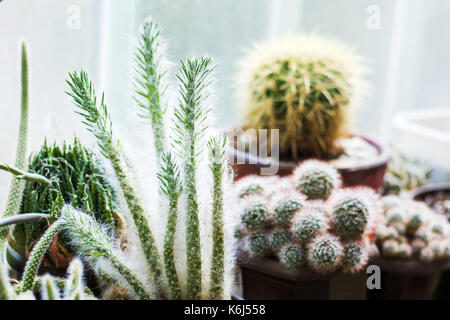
(308, 87)
(190, 257)
(415, 249)
(303, 236)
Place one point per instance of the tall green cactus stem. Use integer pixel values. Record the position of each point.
(49, 289)
(74, 285)
(6, 291)
(17, 186)
(190, 126)
(36, 256)
(91, 240)
(98, 122)
(170, 185)
(217, 166)
(148, 82)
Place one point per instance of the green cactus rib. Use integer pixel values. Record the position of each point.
(60, 284)
(170, 185)
(148, 80)
(98, 122)
(17, 186)
(37, 255)
(216, 157)
(190, 127)
(49, 289)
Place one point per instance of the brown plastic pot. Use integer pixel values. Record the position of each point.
(371, 175)
(266, 279)
(407, 279)
(420, 194)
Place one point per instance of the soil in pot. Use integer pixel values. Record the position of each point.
(364, 163)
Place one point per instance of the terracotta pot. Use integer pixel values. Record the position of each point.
(407, 279)
(265, 279)
(371, 175)
(420, 194)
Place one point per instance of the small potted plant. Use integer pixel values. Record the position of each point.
(183, 249)
(308, 87)
(414, 243)
(303, 236)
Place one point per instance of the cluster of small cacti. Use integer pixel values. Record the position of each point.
(306, 86)
(70, 202)
(411, 230)
(307, 219)
(404, 174)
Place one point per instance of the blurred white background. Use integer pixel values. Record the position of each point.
(409, 50)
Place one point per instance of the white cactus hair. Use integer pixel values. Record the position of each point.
(308, 45)
(364, 258)
(337, 246)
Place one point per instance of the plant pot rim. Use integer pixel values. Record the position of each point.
(410, 266)
(380, 160)
(432, 188)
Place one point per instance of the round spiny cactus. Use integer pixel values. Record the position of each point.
(77, 178)
(305, 86)
(307, 225)
(349, 215)
(284, 210)
(278, 238)
(250, 189)
(255, 216)
(258, 243)
(325, 254)
(316, 179)
(355, 257)
(390, 248)
(292, 255)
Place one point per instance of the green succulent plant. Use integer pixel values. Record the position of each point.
(258, 243)
(76, 177)
(325, 254)
(349, 218)
(292, 255)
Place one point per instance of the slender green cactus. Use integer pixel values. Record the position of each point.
(74, 285)
(37, 255)
(49, 289)
(17, 186)
(217, 166)
(6, 291)
(99, 123)
(191, 117)
(170, 185)
(149, 80)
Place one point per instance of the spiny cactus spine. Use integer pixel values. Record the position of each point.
(217, 159)
(278, 238)
(74, 285)
(17, 186)
(355, 256)
(307, 225)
